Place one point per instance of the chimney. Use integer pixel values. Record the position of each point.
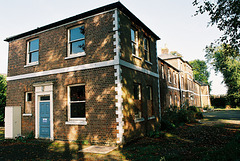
(165, 50)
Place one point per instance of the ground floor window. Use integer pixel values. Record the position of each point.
(76, 102)
(137, 93)
(149, 101)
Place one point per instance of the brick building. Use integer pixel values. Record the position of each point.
(93, 76)
(177, 85)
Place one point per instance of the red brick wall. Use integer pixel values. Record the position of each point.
(53, 46)
(100, 104)
(131, 128)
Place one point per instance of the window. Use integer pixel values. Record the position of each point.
(170, 99)
(28, 97)
(28, 104)
(137, 91)
(149, 101)
(134, 42)
(76, 42)
(76, 97)
(33, 52)
(162, 72)
(169, 76)
(175, 101)
(146, 49)
(173, 77)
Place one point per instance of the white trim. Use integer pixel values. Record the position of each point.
(152, 117)
(76, 122)
(139, 120)
(71, 56)
(135, 56)
(38, 94)
(205, 95)
(116, 61)
(173, 88)
(148, 62)
(26, 114)
(63, 70)
(118, 81)
(137, 68)
(159, 99)
(31, 64)
(63, 25)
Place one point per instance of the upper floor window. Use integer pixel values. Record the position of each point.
(162, 72)
(76, 42)
(169, 76)
(33, 52)
(134, 42)
(146, 49)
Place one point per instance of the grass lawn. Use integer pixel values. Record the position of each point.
(188, 142)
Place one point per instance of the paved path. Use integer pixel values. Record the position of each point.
(225, 116)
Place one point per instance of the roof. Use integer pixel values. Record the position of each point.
(169, 56)
(117, 5)
(168, 64)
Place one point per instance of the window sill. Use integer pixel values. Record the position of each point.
(135, 56)
(76, 123)
(31, 64)
(75, 55)
(151, 118)
(148, 62)
(27, 115)
(139, 120)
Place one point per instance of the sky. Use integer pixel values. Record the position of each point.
(171, 20)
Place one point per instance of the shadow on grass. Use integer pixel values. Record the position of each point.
(189, 142)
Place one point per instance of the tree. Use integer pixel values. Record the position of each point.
(200, 71)
(229, 66)
(226, 15)
(3, 88)
(175, 53)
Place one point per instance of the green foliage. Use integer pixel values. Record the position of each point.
(200, 71)
(229, 66)
(224, 14)
(219, 102)
(175, 53)
(173, 118)
(3, 88)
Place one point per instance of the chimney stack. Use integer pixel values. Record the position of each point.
(165, 50)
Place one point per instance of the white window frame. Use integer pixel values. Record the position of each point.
(136, 54)
(75, 121)
(162, 72)
(28, 54)
(146, 49)
(139, 118)
(169, 75)
(69, 55)
(26, 96)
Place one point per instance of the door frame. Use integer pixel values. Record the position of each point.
(43, 89)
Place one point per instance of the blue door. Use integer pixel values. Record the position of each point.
(44, 124)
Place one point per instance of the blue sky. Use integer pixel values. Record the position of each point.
(171, 20)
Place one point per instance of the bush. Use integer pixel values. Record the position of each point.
(199, 115)
(171, 118)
